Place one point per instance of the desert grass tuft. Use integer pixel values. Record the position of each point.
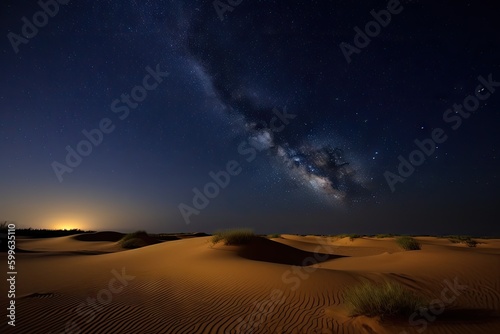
(134, 240)
(384, 236)
(234, 236)
(462, 239)
(471, 243)
(351, 236)
(385, 299)
(408, 243)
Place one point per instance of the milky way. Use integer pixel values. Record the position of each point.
(323, 168)
(248, 81)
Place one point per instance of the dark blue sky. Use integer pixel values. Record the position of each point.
(322, 172)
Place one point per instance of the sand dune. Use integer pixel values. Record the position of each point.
(99, 236)
(92, 243)
(262, 249)
(291, 284)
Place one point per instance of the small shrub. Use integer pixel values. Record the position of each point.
(217, 237)
(471, 243)
(382, 299)
(275, 235)
(233, 237)
(384, 235)
(4, 226)
(462, 239)
(134, 240)
(408, 243)
(136, 234)
(351, 236)
(134, 243)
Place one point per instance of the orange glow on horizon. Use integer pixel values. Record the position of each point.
(67, 223)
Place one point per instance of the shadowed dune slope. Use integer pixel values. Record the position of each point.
(262, 249)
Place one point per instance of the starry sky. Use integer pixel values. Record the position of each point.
(275, 115)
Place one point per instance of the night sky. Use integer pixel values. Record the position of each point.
(119, 114)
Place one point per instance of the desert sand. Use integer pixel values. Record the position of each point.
(293, 284)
